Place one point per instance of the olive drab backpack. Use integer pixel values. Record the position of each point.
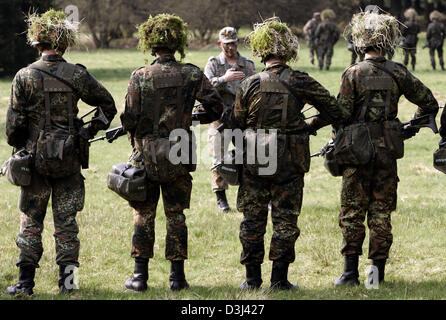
(56, 149)
(291, 149)
(156, 149)
(353, 143)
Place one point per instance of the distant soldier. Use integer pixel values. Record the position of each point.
(309, 31)
(159, 100)
(225, 72)
(369, 95)
(273, 100)
(435, 35)
(326, 35)
(355, 53)
(42, 117)
(410, 31)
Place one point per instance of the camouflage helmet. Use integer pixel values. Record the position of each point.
(328, 14)
(52, 29)
(410, 14)
(372, 29)
(273, 38)
(435, 15)
(165, 31)
(228, 35)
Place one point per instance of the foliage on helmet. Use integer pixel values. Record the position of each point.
(273, 38)
(328, 14)
(52, 28)
(163, 31)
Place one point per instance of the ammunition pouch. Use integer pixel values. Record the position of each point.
(56, 155)
(128, 181)
(393, 138)
(353, 145)
(299, 151)
(17, 169)
(440, 159)
(331, 164)
(84, 152)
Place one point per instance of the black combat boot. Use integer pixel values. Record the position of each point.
(177, 277)
(67, 283)
(222, 202)
(26, 281)
(279, 276)
(253, 277)
(351, 274)
(140, 275)
(380, 265)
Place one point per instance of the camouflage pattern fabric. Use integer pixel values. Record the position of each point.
(253, 197)
(326, 36)
(139, 124)
(176, 198)
(410, 35)
(216, 67)
(435, 35)
(68, 196)
(285, 188)
(26, 108)
(371, 190)
(309, 31)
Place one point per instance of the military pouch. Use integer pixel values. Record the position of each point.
(299, 151)
(393, 138)
(128, 181)
(331, 164)
(440, 159)
(263, 152)
(160, 162)
(17, 169)
(353, 145)
(56, 155)
(84, 152)
(228, 169)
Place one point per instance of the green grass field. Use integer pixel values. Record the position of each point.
(414, 271)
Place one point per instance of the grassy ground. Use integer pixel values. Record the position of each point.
(415, 270)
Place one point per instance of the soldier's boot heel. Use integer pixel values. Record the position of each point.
(351, 274)
(380, 265)
(26, 282)
(138, 282)
(253, 277)
(177, 278)
(279, 277)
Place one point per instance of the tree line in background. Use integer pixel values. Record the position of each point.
(109, 20)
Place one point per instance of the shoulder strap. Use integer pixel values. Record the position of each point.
(40, 66)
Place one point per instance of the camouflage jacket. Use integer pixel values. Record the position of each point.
(410, 33)
(305, 90)
(352, 93)
(27, 103)
(435, 34)
(327, 33)
(138, 116)
(310, 29)
(217, 66)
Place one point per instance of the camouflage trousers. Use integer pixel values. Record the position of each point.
(412, 54)
(440, 56)
(369, 190)
(217, 150)
(324, 52)
(176, 198)
(68, 195)
(312, 47)
(254, 195)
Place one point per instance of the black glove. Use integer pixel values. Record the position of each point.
(409, 132)
(85, 133)
(311, 130)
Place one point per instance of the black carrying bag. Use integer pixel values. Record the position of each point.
(17, 169)
(128, 181)
(228, 169)
(353, 145)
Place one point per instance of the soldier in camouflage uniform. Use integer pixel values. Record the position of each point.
(309, 30)
(370, 90)
(160, 98)
(25, 114)
(326, 36)
(273, 99)
(435, 35)
(410, 32)
(225, 73)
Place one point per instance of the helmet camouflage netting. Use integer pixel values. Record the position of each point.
(52, 28)
(163, 31)
(273, 38)
(371, 29)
